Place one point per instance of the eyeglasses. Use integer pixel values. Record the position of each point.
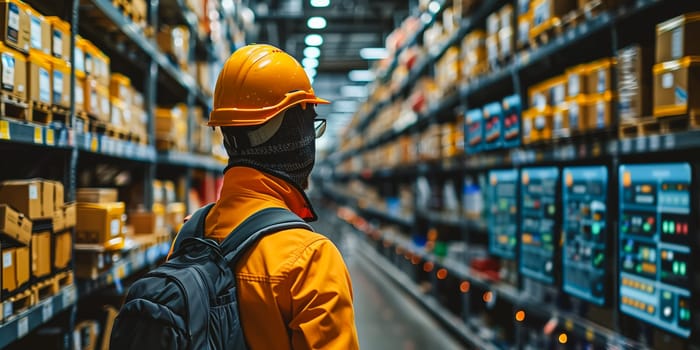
(319, 127)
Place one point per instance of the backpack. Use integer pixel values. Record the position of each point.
(190, 301)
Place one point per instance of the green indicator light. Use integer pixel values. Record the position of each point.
(676, 269)
(639, 268)
(595, 228)
(599, 259)
(552, 210)
(671, 227)
(682, 268)
(628, 248)
(547, 238)
(647, 227)
(513, 241)
(624, 229)
(664, 228)
(667, 295)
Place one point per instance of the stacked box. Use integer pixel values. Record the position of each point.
(60, 38)
(15, 267)
(506, 32)
(39, 32)
(548, 13)
(101, 224)
(15, 30)
(39, 77)
(61, 82)
(34, 197)
(447, 70)
(171, 126)
(524, 23)
(14, 73)
(175, 41)
(474, 55)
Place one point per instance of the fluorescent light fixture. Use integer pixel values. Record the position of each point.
(309, 62)
(374, 53)
(312, 52)
(354, 91)
(361, 75)
(426, 18)
(313, 40)
(316, 22)
(434, 6)
(345, 106)
(320, 3)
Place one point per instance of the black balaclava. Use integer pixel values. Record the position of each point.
(288, 152)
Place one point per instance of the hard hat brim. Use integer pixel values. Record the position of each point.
(257, 116)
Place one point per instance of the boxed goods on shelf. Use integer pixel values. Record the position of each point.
(577, 80)
(14, 73)
(599, 76)
(474, 120)
(100, 223)
(70, 215)
(62, 250)
(171, 125)
(58, 220)
(633, 83)
(512, 110)
(548, 13)
(39, 77)
(39, 32)
(79, 54)
(524, 25)
(676, 85)
(15, 28)
(493, 126)
(448, 71)
(32, 197)
(96, 195)
(15, 268)
(148, 222)
(600, 111)
(675, 38)
(120, 88)
(492, 49)
(80, 82)
(120, 116)
(560, 121)
(41, 254)
(60, 38)
(449, 140)
(506, 32)
(15, 225)
(474, 55)
(175, 41)
(61, 82)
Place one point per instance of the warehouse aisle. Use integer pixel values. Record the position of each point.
(386, 318)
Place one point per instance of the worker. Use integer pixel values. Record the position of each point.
(294, 290)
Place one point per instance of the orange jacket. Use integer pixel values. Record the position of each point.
(294, 290)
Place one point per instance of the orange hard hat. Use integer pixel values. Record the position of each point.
(256, 84)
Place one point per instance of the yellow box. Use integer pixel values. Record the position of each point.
(61, 82)
(15, 225)
(600, 111)
(58, 220)
(104, 107)
(677, 37)
(578, 113)
(14, 72)
(556, 90)
(91, 97)
(546, 13)
(70, 215)
(676, 87)
(39, 32)
(120, 88)
(119, 117)
(538, 95)
(9, 272)
(91, 53)
(600, 76)
(63, 247)
(577, 80)
(79, 53)
(560, 121)
(97, 195)
(145, 222)
(524, 24)
(158, 196)
(101, 64)
(100, 223)
(41, 254)
(60, 38)
(15, 28)
(23, 195)
(39, 74)
(22, 265)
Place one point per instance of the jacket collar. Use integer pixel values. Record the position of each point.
(258, 185)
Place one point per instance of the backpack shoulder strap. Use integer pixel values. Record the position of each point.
(263, 222)
(194, 227)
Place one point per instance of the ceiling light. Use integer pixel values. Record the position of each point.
(312, 52)
(354, 91)
(434, 6)
(361, 75)
(316, 22)
(311, 72)
(374, 53)
(345, 106)
(309, 62)
(313, 40)
(320, 3)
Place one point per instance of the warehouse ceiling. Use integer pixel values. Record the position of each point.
(351, 26)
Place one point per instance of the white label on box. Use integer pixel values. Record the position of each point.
(541, 13)
(574, 85)
(33, 191)
(602, 81)
(93, 101)
(13, 23)
(600, 115)
(88, 64)
(47, 311)
(35, 32)
(573, 116)
(44, 86)
(558, 94)
(57, 86)
(58, 43)
(540, 122)
(8, 72)
(114, 227)
(677, 43)
(6, 260)
(79, 94)
(79, 59)
(558, 121)
(667, 80)
(105, 105)
(22, 327)
(540, 101)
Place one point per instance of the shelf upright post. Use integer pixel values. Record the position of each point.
(150, 89)
(613, 184)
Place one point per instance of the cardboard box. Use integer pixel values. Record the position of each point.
(23, 195)
(80, 81)
(524, 24)
(15, 28)
(97, 195)
(600, 111)
(634, 83)
(58, 221)
(506, 32)
(39, 32)
(39, 77)
(120, 88)
(41, 254)
(546, 12)
(15, 225)
(9, 272)
(676, 87)
(48, 198)
(599, 76)
(79, 53)
(22, 265)
(145, 222)
(158, 195)
(676, 37)
(59, 194)
(69, 215)
(60, 38)
(560, 121)
(578, 113)
(14, 72)
(577, 80)
(61, 82)
(101, 223)
(63, 249)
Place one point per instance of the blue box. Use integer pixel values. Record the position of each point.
(493, 126)
(512, 116)
(474, 131)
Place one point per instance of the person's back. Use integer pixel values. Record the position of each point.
(294, 290)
